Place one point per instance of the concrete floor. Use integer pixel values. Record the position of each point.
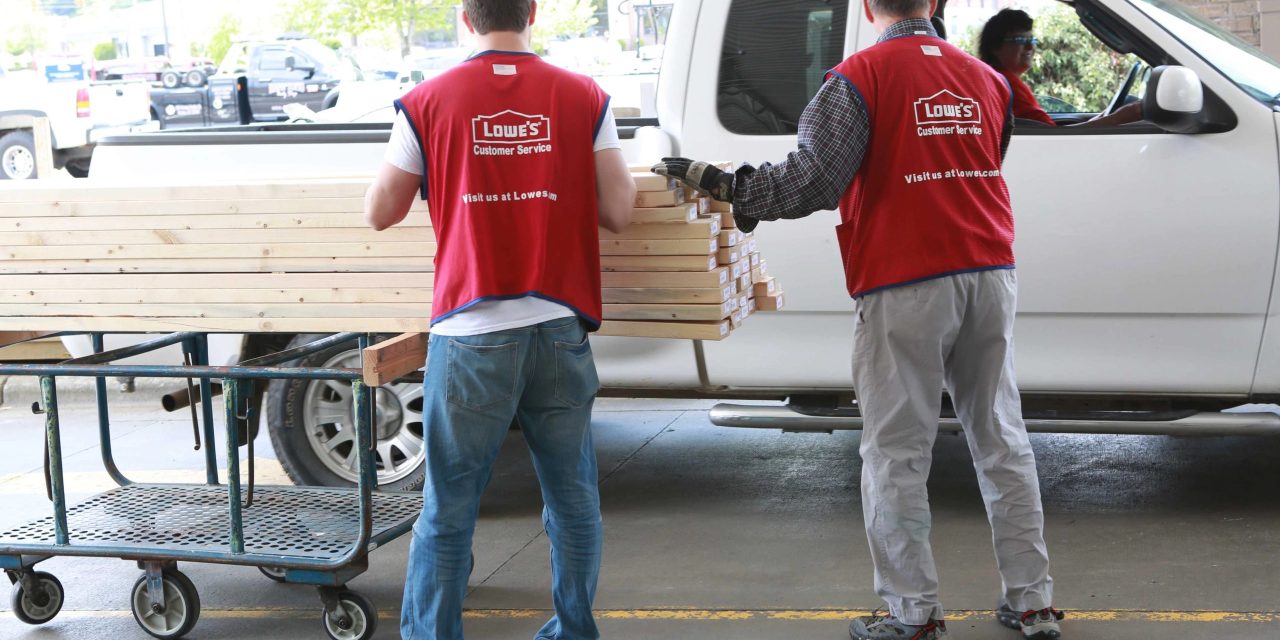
(715, 533)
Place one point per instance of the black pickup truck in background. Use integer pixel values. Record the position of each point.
(279, 72)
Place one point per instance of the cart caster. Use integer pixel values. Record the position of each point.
(176, 616)
(353, 617)
(276, 574)
(36, 597)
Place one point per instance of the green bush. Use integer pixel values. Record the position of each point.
(104, 51)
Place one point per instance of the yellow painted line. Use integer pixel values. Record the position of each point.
(735, 615)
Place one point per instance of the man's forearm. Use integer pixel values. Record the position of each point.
(832, 140)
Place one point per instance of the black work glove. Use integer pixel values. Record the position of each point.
(699, 175)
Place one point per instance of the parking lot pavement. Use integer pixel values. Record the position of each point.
(716, 533)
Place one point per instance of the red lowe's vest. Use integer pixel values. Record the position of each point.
(508, 143)
(929, 199)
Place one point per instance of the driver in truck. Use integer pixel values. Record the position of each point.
(913, 161)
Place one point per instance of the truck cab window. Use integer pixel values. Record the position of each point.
(273, 59)
(774, 59)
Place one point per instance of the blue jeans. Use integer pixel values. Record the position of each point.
(545, 375)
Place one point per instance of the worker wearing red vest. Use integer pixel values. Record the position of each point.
(497, 147)
(907, 137)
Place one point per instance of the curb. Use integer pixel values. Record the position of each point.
(23, 390)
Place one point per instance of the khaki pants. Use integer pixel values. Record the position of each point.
(908, 342)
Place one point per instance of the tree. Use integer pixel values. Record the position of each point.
(404, 17)
(223, 35)
(559, 19)
(314, 18)
(1070, 63)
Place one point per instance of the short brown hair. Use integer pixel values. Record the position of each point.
(497, 15)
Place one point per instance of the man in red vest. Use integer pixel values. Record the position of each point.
(498, 147)
(907, 137)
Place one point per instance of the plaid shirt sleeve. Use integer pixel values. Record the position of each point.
(832, 140)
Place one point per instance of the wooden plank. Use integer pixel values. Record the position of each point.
(42, 139)
(647, 181)
(645, 199)
(726, 220)
(730, 237)
(389, 360)
(210, 221)
(766, 287)
(745, 283)
(182, 253)
(755, 260)
(658, 215)
(47, 349)
(671, 279)
(680, 330)
(214, 265)
(226, 310)
(144, 295)
(773, 302)
(666, 295)
(668, 311)
(691, 230)
(649, 263)
(233, 325)
(91, 190)
(655, 247)
(58, 207)
(728, 255)
(262, 237)
(704, 205)
(46, 282)
(720, 206)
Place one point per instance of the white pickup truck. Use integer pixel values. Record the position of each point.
(80, 112)
(1147, 253)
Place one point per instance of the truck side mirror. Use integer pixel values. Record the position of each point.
(289, 61)
(1174, 99)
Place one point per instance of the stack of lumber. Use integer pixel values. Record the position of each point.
(296, 256)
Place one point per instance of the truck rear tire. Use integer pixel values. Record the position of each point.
(78, 168)
(312, 431)
(170, 79)
(17, 155)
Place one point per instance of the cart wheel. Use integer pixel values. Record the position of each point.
(355, 619)
(273, 573)
(42, 603)
(181, 606)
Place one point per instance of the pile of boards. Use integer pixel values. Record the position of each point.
(296, 256)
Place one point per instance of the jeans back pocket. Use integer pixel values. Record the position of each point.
(481, 376)
(576, 379)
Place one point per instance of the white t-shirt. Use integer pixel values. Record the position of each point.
(405, 153)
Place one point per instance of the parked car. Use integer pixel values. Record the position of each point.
(1146, 253)
(80, 113)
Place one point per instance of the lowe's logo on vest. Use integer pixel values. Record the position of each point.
(946, 108)
(519, 134)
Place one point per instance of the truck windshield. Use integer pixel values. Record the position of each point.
(1248, 68)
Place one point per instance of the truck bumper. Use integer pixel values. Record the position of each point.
(143, 126)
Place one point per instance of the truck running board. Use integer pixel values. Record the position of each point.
(1204, 423)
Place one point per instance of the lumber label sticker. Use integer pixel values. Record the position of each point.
(510, 133)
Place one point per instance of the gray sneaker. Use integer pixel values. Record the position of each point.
(878, 627)
(1034, 625)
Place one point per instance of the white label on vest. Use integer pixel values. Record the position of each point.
(504, 69)
(931, 50)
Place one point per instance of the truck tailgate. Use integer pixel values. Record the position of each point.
(118, 103)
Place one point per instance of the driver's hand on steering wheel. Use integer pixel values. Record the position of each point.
(1131, 112)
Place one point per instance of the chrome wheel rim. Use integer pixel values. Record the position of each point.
(329, 421)
(18, 163)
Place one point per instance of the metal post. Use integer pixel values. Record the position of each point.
(49, 394)
(231, 393)
(206, 411)
(367, 475)
(104, 421)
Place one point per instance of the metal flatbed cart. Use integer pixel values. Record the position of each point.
(304, 535)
